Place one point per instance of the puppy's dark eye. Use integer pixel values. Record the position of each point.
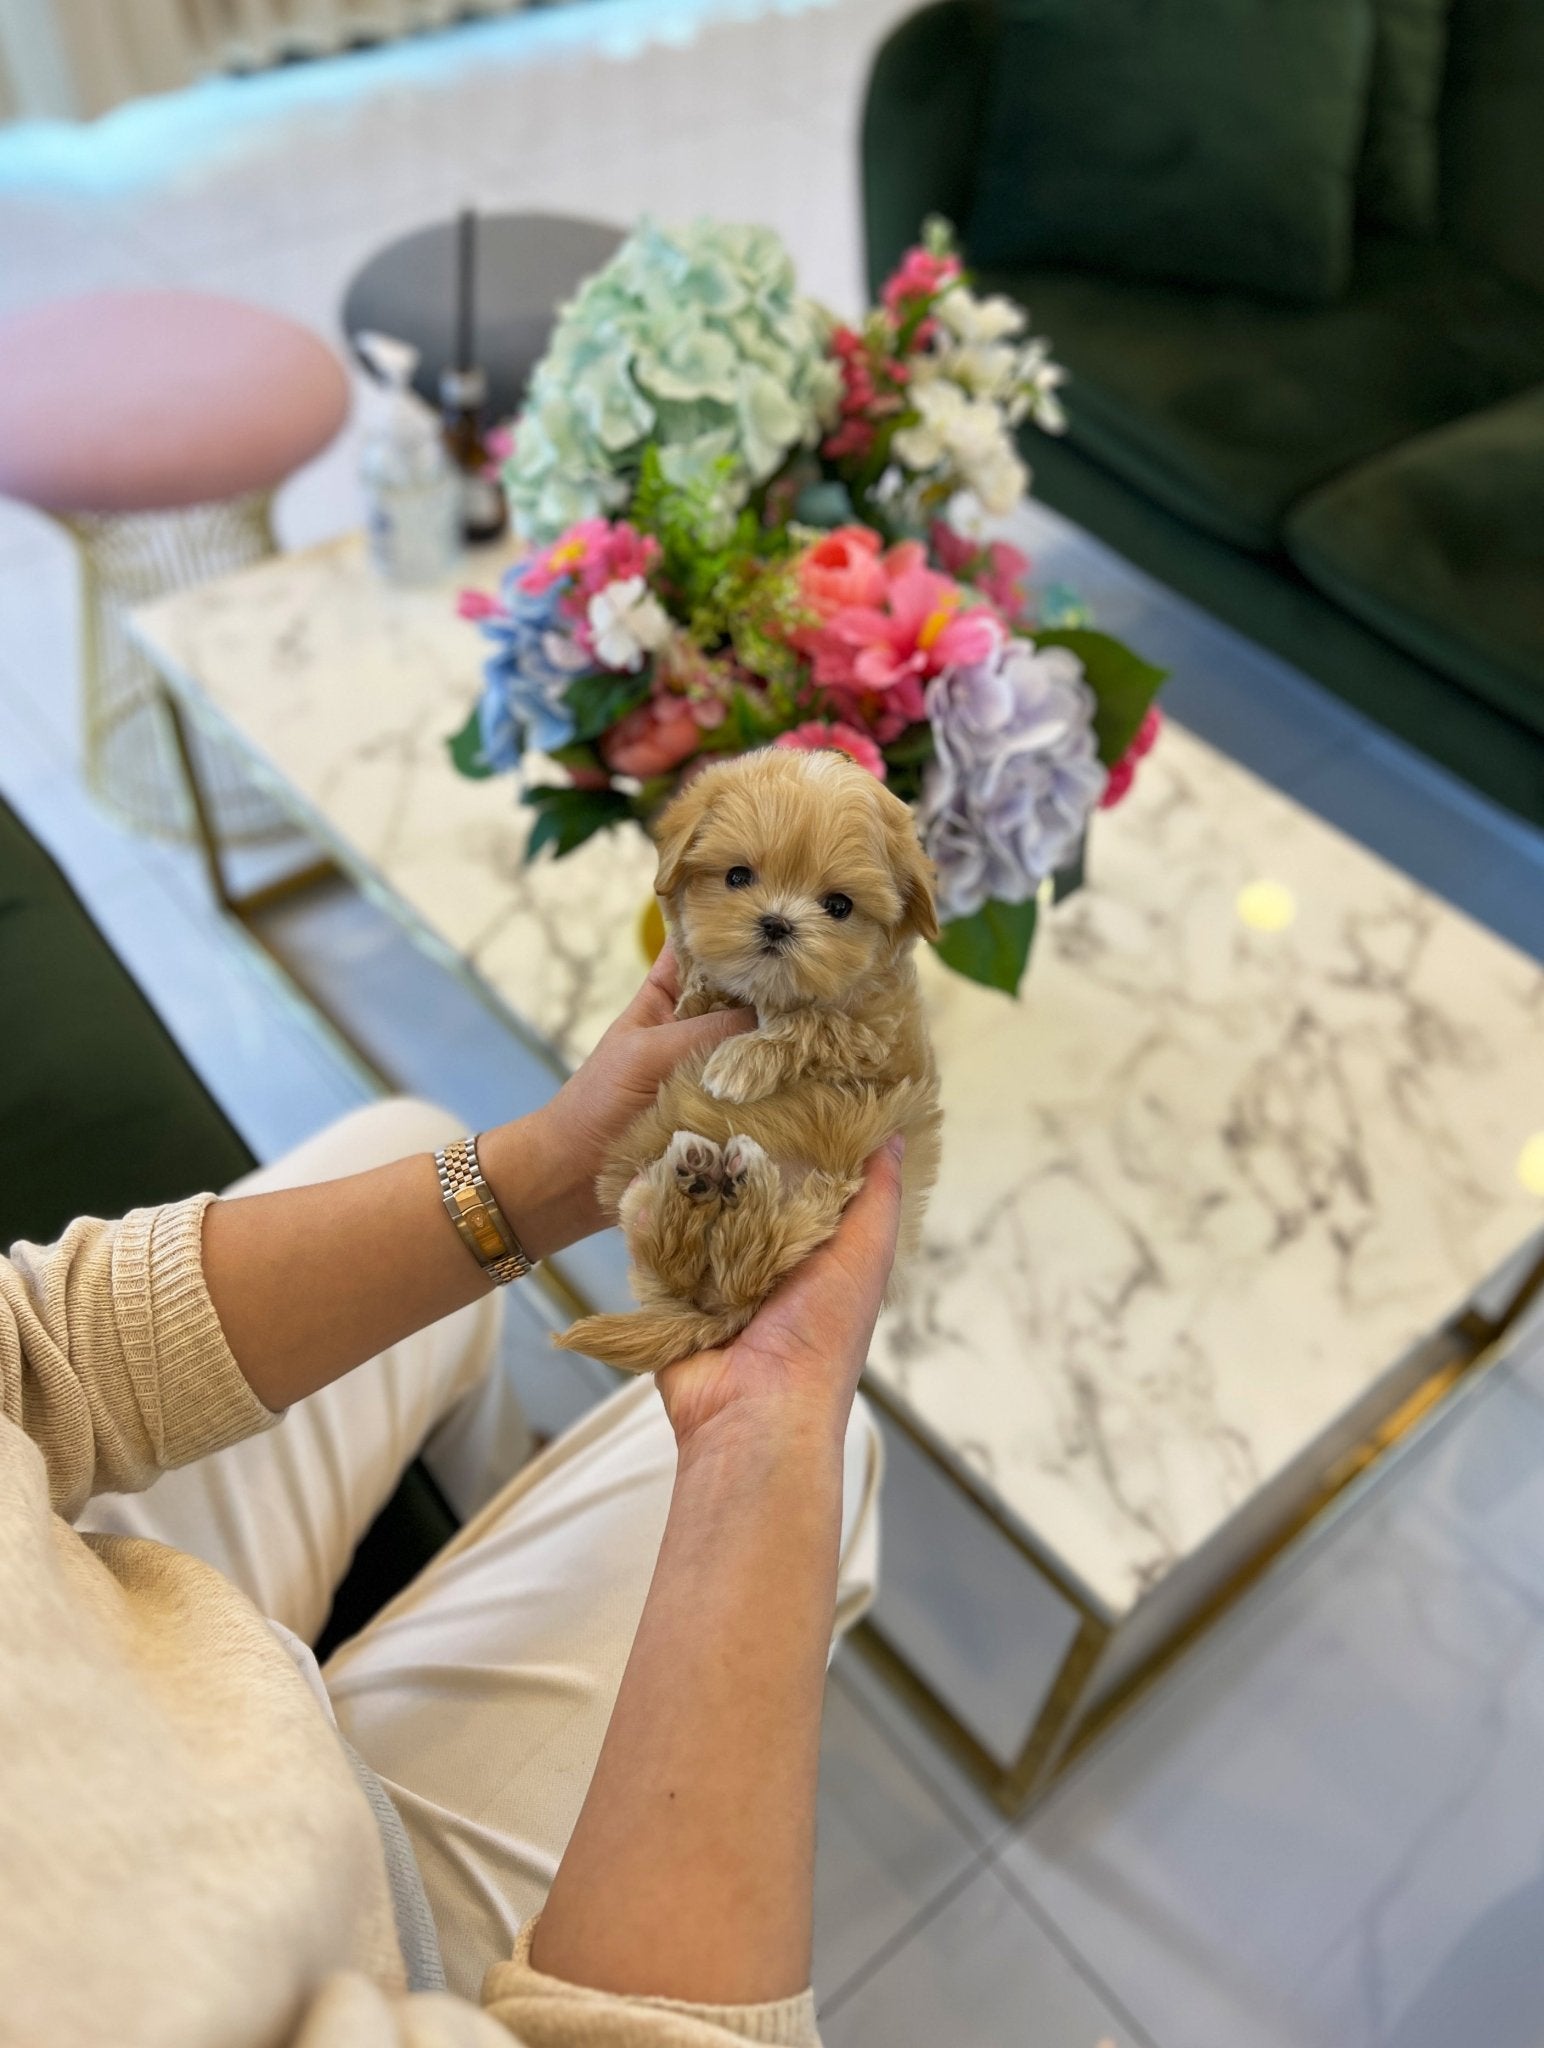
(739, 878)
(836, 905)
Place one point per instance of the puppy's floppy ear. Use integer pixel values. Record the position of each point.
(675, 831)
(911, 867)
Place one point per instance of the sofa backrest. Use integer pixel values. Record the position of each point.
(1492, 135)
(99, 1111)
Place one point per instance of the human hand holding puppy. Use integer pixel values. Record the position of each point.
(796, 1365)
(555, 1156)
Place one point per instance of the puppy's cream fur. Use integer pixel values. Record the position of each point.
(747, 1159)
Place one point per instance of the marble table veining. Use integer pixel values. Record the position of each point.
(1231, 1153)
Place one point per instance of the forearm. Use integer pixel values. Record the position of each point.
(690, 1872)
(310, 1282)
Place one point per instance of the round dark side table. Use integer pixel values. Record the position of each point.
(527, 265)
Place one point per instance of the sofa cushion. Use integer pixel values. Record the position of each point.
(1212, 142)
(1396, 181)
(1228, 409)
(99, 1111)
(1440, 545)
(1492, 135)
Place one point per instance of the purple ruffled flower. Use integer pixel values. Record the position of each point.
(1016, 777)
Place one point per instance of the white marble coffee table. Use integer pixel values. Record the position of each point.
(1213, 1191)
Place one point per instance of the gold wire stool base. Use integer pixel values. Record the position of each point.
(132, 761)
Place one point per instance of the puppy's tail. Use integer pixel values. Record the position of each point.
(649, 1339)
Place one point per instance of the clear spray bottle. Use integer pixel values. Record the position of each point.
(412, 490)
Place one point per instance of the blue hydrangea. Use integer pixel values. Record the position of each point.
(1016, 775)
(691, 338)
(523, 702)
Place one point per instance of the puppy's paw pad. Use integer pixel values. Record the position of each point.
(697, 1165)
(744, 1162)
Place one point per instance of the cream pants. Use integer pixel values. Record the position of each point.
(480, 1695)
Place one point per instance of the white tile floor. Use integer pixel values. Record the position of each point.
(1329, 1827)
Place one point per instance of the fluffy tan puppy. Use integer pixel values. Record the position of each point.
(792, 882)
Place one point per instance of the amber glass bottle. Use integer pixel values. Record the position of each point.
(463, 395)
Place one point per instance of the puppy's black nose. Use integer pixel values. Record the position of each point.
(775, 930)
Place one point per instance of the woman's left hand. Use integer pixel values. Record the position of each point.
(544, 1168)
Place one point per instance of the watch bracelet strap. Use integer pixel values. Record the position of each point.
(479, 1221)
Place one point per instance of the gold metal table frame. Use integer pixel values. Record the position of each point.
(1074, 1711)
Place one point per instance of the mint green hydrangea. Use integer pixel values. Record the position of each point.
(693, 338)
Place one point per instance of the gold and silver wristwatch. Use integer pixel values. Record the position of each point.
(477, 1216)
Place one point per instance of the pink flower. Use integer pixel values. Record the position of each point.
(591, 554)
(1124, 773)
(567, 556)
(919, 275)
(842, 569)
(852, 437)
(875, 658)
(652, 739)
(871, 392)
(477, 604)
(1004, 579)
(999, 571)
(695, 681)
(1118, 785)
(956, 553)
(817, 736)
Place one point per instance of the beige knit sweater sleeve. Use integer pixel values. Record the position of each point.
(544, 2012)
(112, 1359)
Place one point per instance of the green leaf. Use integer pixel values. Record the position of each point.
(466, 751)
(579, 758)
(991, 947)
(565, 818)
(749, 723)
(598, 701)
(906, 761)
(1123, 682)
(914, 747)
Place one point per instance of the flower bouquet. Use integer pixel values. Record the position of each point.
(741, 518)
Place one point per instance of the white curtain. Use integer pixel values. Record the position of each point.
(77, 58)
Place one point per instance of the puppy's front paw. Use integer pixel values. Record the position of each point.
(697, 1164)
(742, 1070)
(697, 1002)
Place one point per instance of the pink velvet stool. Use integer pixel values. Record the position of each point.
(156, 427)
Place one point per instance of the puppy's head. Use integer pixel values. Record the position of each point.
(792, 877)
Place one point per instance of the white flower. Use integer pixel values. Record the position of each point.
(968, 435)
(947, 419)
(999, 481)
(627, 622)
(1046, 409)
(986, 369)
(979, 320)
(1039, 379)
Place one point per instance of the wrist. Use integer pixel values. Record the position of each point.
(757, 1443)
(546, 1201)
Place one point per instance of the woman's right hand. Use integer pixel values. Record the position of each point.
(796, 1366)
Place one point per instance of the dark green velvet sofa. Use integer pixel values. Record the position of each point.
(1358, 485)
(101, 1113)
